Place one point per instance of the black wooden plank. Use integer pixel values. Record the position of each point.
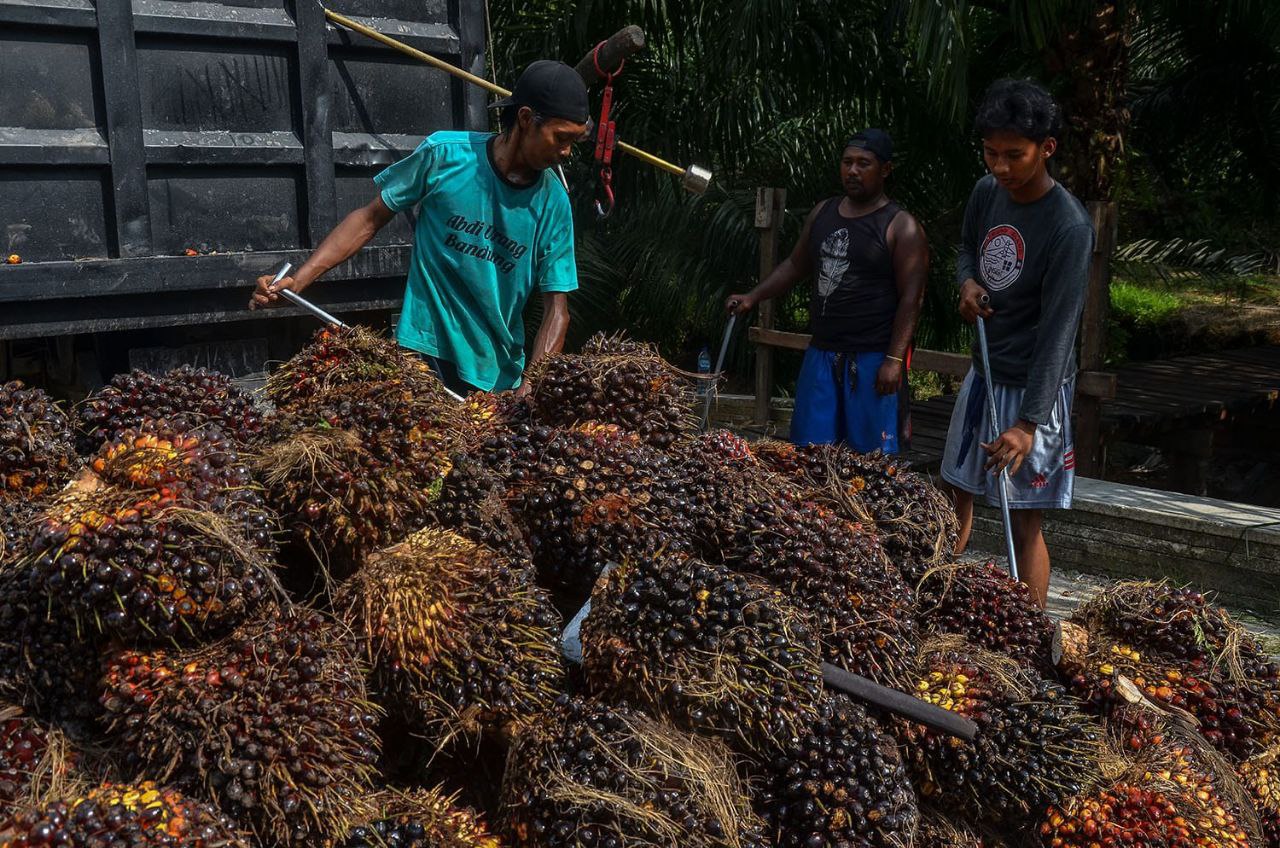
(315, 97)
(77, 15)
(53, 280)
(165, 17)
(124, 128)
(470, 102)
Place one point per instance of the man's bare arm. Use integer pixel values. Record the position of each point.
(910, 272)
(354, 232)
(797, 266)
(555, 321)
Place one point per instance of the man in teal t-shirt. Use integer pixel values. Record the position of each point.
(493, 224)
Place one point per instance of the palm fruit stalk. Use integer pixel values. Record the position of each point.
(114, 815)
(338, 501)
(37, 448)
(47, 662)
(587, 775)
(1238, 716)
(982, 603)
(1034, 747)
(842, 782)
(164, 539)
(272, 723)
(615, 381)
(37, 763)
(203, 396)
(915, 521)
(1261, 778)
(423, 818)
(458, 634)
(859, 607)
(938, 829)
(706, 649)
(342, 356)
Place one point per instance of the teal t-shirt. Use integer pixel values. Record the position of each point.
(480, 248)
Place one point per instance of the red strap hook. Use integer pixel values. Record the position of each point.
(606, 135)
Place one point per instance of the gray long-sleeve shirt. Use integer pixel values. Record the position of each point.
(1033, 259)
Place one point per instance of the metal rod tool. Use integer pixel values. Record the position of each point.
(298, 300)
(715, 375)
(1003, 477)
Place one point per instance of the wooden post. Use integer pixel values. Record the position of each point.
(1090, 451)
(771, 203)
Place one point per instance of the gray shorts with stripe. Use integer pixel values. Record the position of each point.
(1046, 479)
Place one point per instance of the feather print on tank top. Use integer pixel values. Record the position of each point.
(835, 262)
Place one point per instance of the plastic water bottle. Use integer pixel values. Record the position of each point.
(704, 371)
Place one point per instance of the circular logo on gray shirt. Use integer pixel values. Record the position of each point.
(1003, 252)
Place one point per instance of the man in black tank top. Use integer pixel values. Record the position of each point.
(869, 260)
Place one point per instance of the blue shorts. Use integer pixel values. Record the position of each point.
(1046, 479)
(837, 402)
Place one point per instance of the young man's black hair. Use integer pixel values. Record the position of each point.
(1019, 106)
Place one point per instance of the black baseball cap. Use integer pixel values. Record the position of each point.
(877, 141)
(552, 89)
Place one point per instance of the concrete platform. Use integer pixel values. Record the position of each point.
(1127, 531)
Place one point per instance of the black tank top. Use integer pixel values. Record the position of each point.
(855, 296)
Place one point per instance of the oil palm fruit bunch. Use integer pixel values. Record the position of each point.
(424, 818)
(457, 631)
(402, 422)
(704, 647)
(204, 397)
(46, 662)
(338, 501)
(1260, 776)
(596, 496)
(473, 504)
(982, 603)
(915, 521)
(338, 356)
(164, 540)
(1179, 624)
(1238, 716)
(842, 782)
(1034, 747)
(587, 775)
(271, 722)
(124, 815)
(37, 449)
(858, 605)
(614, 381)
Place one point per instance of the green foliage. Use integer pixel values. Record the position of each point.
(1142, 307)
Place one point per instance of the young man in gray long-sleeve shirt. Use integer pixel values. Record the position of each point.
(1026, 243)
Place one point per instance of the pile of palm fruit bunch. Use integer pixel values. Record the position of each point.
(204, 396)
(272, 723)
(423, 818)
(704, 648)
(841, 782)
(1034, 747)
(163, 536)
(1162, 786)
(589, 775)
(37, 457)
(940, 830)
(1180, 651)
(473, 504)
(983, 603)
(614, 381)
(115, 815)
(457, 633)
(914, 519)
